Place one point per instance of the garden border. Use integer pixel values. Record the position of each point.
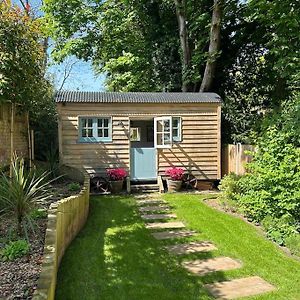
(65, 219)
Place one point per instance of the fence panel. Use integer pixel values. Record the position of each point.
(234, 158)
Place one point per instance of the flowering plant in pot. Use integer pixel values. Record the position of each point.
(175, 181)
(116, 178)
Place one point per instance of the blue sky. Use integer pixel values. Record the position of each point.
(82, 76)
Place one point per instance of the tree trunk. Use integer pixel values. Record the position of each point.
(184, 41)
(214, 47)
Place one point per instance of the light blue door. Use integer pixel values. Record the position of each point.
(143, 164)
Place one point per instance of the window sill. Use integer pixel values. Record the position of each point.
(94, 140)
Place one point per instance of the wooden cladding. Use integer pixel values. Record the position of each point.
(198, 152)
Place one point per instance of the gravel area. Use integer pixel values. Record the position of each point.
(18, 278)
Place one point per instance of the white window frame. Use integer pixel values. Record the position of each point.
(138, 134)
(170, 132)
(177, 138)
(95, 138)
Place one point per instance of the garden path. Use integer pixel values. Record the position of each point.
(231, 289)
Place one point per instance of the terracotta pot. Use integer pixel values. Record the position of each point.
(174, 185)
(116, 186)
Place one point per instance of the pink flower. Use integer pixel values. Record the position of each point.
(175, 173)
(116, 174)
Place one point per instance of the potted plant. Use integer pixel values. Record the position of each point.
(116, 179)
(175, 181)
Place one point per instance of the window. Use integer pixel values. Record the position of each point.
(95, 129)
(163, 132)
(135, 134)
(176, 126)
(166, 130)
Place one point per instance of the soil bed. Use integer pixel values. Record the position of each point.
(18, 278)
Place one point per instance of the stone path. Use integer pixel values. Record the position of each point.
(192, 247)
(172, 234)
(206, 266)
(226, 290)
(238, 288)
(168, 225)
(159, 217)
(154, 208)
(150, 202)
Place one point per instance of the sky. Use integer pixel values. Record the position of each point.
(82, 76)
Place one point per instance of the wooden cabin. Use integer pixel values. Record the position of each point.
(145, 133)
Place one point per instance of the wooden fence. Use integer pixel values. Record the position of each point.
(65, 219)
(234, 158)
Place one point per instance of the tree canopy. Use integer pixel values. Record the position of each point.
(249, 49)
(21, 57)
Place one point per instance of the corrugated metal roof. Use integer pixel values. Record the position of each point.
(135, 97)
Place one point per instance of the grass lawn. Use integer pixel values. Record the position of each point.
(115, 257)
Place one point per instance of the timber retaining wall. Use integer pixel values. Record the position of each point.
(65, 219)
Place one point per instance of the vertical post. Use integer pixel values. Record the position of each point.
(60, 145)
(12, 122)
(29, 141)
(219, 156)
(238, 158)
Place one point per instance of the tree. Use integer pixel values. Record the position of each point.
(21, 54)
(22, 72)
(240, 49)
(214, 47)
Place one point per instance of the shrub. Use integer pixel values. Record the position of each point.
(293, 243)
(230, 188)
(175, 173)
(22, 193)
(279, 228)
(272, 186)
(116, 174)
(15, 250)
(74, 187)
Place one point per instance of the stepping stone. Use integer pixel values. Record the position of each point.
(154, 208)
(192, 247)
(167, 225)
(203, 267)
(164, 235)
(238, 288)
(158, 216)
(150, 202)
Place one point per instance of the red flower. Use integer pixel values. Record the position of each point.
(176, 174)
(116, 174)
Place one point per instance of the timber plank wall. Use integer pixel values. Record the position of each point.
(198, 152)
(20, 134)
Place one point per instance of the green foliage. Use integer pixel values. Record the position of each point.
(15, 250)
(37, 214)
(43, 120)
(21, 194)
(74, 187)
(230, 190)
(270, 191)
(134, 42)
(52, 159)
(273, 183)
(293, 243)
(278, 229)
(22, 58)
